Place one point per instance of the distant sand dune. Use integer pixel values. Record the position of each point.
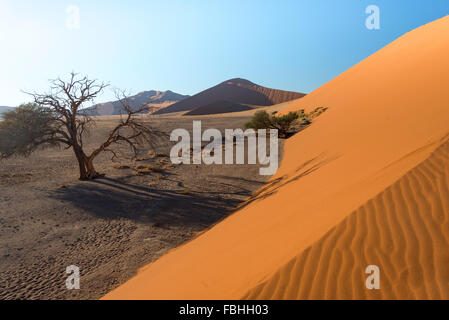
(247, 113)
(153, 100)
(219, 107)
(239, 91)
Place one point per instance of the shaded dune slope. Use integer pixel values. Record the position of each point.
(365, 184)
(218, 107)
(234, 90)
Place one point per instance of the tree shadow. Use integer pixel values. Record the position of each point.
(108, 198)
(303, 170)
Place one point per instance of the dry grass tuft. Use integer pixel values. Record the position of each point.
(158, 169)
(121, 166)
(162, 161)
(151, 154)
(186, 192)
(147, 169)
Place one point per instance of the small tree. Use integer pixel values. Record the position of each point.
(262, 120)
(56, 118)
(26, 128)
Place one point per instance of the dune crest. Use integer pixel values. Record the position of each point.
(365, 184)
(239, 91)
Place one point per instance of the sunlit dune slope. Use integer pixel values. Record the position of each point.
(366, 184)
(404, 230)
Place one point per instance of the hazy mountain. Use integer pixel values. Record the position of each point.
(238, 91)
(4, 109)
(155, 100)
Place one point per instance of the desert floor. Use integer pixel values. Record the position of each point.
(112, 226)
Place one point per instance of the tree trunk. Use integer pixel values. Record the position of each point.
(86, 166)
(91, 173)
(82, 166)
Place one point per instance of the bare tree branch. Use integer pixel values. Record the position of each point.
(65, 124)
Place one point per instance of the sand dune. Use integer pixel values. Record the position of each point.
(218, 107)
(404, 230)
(154, 100)
(366, 184)
(235, 90)
(247, 113)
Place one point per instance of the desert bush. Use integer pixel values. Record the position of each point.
(285, 124)
(157, 169)
(161, 155)
(186, 192)
(262, 120)
(121, 166)
(146, 169)
(25, 129)
(303, 118)
(151, 154)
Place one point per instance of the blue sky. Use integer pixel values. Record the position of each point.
(190, 45)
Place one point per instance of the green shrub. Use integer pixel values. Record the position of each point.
(25, 129)
(262, 120)
(286, 124)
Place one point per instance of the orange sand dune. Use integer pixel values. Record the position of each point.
(366, 184)
(404, 230)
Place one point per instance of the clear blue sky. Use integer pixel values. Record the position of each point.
(189, 45)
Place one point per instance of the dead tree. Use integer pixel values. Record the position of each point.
(66, 123)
